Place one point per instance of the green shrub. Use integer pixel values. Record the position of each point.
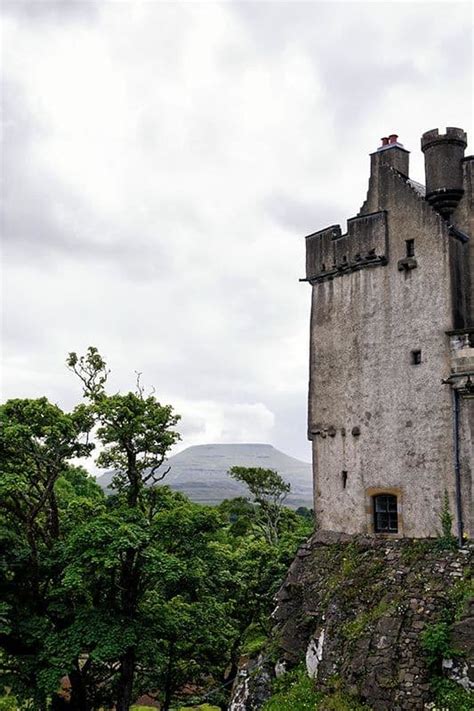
(461, 592)
(450, 696)
(8, 703)
(446, 541)
(254, 640)
(436, 643)
(295, 691)
(341, 702)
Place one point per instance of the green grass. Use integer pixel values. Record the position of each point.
(295, 691)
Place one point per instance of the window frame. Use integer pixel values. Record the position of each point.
(385, 508)
(379, 488)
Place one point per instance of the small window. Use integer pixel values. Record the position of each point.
(416, 357)
(410, 246)
(323, 266)
(385, 513)
(344, 480)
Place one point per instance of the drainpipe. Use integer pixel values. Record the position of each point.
(457, 464)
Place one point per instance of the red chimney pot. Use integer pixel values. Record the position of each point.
(384, 141)
(392, 138)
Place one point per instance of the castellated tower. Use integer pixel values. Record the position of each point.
(391, 387)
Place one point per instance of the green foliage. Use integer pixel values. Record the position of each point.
(461, 593)
(8, 703)
(254, 640)
(295, 691)
(450, 696)
(305, 513)
(135, 430)
(436, 643)
(269, 491)
(446, 518)
(341, 702)
(446, 540)
(141, 590)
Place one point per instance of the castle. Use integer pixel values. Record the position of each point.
(391, 386)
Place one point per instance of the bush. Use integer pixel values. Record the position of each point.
(254, 641)
(446, 541)
(295, 691)
(436, 643)
(8, 703)
(449, 696)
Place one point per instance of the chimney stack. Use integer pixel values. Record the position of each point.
(392, 153)
(443, 168)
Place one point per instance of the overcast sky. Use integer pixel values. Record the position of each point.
(162, 163)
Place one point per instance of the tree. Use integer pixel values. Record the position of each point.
(136, 432)
(180, 622)
(269, 491)
(136, 592)
(37, 440)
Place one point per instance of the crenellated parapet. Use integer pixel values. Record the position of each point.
(330, 254)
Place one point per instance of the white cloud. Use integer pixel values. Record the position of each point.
(209, 422)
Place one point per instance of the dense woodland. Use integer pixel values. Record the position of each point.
(104, 599)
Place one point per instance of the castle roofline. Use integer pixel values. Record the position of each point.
(336, 228)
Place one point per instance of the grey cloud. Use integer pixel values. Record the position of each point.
(300, 216)
(48, 11)
(351, 48)
(33, 199)
(190, 272)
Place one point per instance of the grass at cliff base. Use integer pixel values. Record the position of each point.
(295, 692)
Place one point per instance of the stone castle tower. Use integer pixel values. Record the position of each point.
(391, 387)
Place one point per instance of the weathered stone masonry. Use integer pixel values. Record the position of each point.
(391, 412)
(356, 608)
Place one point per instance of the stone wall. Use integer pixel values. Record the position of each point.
(356, 608)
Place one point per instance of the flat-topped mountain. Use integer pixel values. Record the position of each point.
(200, 472)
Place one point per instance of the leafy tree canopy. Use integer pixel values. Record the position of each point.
(139, 592)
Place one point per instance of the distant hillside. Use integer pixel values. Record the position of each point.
(200, 472)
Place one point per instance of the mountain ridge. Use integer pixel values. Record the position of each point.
(200, 472)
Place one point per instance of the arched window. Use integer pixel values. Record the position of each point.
(385, 513)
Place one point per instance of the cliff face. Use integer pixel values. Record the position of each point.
(365, 612)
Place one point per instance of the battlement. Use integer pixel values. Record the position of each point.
(452, 135)
(329, 253)
(444, 153)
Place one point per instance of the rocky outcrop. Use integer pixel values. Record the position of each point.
(357, 609)
(252, 686)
